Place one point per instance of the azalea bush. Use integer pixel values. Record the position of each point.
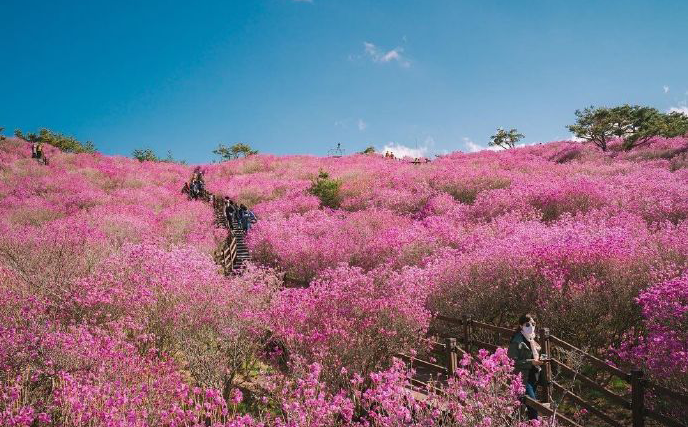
(349, 320)
(661, 342)
(113, 312)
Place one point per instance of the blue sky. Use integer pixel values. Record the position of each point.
(291, 76)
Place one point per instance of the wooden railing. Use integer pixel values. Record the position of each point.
(473, 335)
(227, 253)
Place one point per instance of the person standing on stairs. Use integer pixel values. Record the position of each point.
(241, 216)
(230, 211)
(250, 219)
(525, 352)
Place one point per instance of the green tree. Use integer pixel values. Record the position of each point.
(598, 125)
(635, 124)
(145, 155)
(505, 139)
(649, 123)
(369, 150)
(327, 190)
(234, 151)
(65, 143)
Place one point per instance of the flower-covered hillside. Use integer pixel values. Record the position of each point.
(112, 311)
(561, 229)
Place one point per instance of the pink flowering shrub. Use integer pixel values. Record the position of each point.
(305, 245)
(350, 319)
(484, 392)
(113, 312)
(662, 348)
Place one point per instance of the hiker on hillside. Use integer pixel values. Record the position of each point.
(33, 151)
(39, 151)
(230, 210)
(186, 189)
(241, 215)
(525, 352)
(250, 219)
(196, 188)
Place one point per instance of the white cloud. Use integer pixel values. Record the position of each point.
(402, 151)
(682, 109)
(666, 88)
(574, 138)
(474, 148)
(378, 55)
(362, 125)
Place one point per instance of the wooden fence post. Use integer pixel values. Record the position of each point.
(638, 398)
(546, 347)
(466, 332)
(452, 357)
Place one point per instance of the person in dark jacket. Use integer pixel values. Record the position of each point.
(243, 219)
(230, 211)
(525, 352)
(250, 219)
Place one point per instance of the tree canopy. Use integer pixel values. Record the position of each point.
(63, 142)
(234, 151)
(505, 139)
(146, 154)
(635, 124)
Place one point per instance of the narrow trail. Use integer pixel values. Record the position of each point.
(233, 254)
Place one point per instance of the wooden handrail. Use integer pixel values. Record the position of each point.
(661, 390)
(594, 360)
(587, 405)
(663, 418)
(493, 328)
(421, 362)
(485, 345)
(545, 410)
(590, 382)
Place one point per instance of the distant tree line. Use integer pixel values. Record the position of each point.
(63, 142)
(148, 155)
(634, 124)
(234, 151)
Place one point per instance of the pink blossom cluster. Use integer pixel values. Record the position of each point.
(662, 347)
(112, 311)
(561, 229)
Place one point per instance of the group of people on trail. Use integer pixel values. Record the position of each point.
(528, 360)
(239, 213)
(196, 187)
(389, 155)
(37, 152)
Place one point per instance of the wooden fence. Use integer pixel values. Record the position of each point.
(227, 252)
(473, 335)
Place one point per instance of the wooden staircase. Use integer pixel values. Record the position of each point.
(234, 253)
